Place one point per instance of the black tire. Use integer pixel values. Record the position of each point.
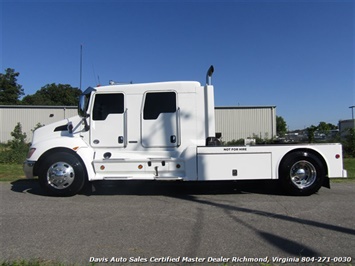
(62, 174)
(301, 173)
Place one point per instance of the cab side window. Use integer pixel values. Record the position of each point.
(157, 103)
(105, 104)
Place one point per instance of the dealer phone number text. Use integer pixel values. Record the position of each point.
(326, 259)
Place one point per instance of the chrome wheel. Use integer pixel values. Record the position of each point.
(303, 174)
(60, 175)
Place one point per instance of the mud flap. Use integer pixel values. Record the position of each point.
(326, 182)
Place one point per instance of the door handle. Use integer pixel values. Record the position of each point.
(120, 139)
(172, 139)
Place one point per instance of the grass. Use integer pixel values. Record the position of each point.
(25, 263)
(34, 262)
(349, 165)
(12, 172)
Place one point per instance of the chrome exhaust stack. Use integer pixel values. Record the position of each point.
(209, 75)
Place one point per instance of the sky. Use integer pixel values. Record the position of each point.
(295, 55)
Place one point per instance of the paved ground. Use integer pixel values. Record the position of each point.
(176, 223)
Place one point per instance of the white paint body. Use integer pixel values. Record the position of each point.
(171, 146)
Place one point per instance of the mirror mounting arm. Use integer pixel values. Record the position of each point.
(86, 126)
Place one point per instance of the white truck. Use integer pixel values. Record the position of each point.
(164, 131)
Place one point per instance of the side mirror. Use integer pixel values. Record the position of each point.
(82, 106)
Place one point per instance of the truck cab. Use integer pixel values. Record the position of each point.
(146, 131)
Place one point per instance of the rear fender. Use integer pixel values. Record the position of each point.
(326, 181)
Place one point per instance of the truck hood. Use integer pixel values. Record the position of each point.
(59, 129)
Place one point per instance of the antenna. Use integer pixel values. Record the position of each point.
(81, 64)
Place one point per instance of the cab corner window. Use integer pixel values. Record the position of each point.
(157, 103)
(105, 104)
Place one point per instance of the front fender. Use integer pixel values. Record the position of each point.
(49, 144)
(72, 145)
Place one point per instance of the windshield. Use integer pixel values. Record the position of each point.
(84, 102)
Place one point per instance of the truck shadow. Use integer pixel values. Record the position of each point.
(27, 186)
(280, 241)
(173, 188)
(181, 188)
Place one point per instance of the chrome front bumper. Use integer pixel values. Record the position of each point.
(28, 168)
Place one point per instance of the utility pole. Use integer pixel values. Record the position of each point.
(352, 111)
(352, 115)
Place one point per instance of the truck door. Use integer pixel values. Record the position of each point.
(159, 120)
(108, 121)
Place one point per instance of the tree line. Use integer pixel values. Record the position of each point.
(50, 94)
(66, 95)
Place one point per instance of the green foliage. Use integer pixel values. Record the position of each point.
(281, 126)
(38, 125)
(34, 262)
(349, 143)
(259, 140)
(234, 142)
(20, 263)
(325, 127)
(240, 142)
(10, 91)
(310, 133)
(19, 138)
(54, 94)
(16, 149)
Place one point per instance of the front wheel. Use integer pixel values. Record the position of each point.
(301, 173)
(62, 174)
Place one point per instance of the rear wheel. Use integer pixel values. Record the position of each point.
(62, 174)
(301, 173)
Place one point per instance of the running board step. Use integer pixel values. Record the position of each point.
(168, 178)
